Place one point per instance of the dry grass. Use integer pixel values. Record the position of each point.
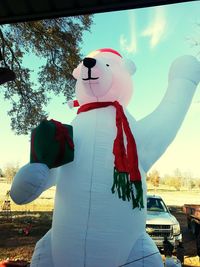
(178, 198)
(44, 203)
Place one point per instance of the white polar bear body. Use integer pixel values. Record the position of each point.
(101, 227)
(91, 226)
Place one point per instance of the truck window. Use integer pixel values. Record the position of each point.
(155, 204)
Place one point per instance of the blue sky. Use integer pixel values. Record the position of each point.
(152, 38)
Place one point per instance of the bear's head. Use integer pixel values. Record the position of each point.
(104, 76)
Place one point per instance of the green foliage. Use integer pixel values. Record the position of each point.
(56, 43)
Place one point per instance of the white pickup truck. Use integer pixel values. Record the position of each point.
(161, 223)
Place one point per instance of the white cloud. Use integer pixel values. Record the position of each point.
(131, 45)
(156, 30)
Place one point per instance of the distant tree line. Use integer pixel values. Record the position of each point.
(177, 180)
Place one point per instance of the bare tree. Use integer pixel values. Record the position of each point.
(10, 172)
(154, 179)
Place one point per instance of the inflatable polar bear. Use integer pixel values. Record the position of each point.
(91, 226)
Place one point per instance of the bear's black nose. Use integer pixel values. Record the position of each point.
(89, 62)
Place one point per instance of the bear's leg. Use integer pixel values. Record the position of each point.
(42, 256)
(144, 253)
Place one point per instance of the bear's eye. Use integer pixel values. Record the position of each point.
(107, 65)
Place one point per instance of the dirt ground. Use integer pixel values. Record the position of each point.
(19, 234)
(15, 243)
(189, 242)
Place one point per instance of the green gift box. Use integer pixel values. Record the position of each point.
(52, 144)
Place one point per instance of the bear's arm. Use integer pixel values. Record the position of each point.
(30, 181)
(156, 131)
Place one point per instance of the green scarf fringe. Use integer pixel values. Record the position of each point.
(124, 188)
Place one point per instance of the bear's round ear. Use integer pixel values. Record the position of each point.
(130, 66)
(76, 72)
